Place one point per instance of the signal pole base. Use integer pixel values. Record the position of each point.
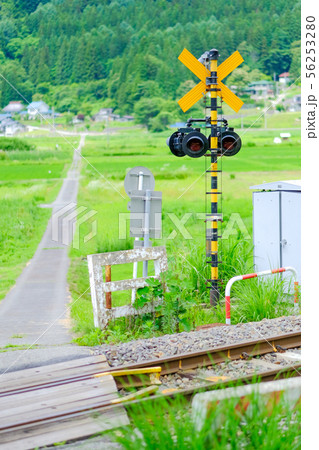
(214, 297)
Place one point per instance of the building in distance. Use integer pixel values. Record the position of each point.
(14, 107)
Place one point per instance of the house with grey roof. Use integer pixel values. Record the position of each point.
(103, 115)
(39, 108)
(262, 88)
(10, 127)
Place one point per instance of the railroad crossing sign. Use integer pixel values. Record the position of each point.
(146, 211)
(203, 87)
(138, 206)
(138, 178)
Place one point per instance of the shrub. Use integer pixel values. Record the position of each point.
(169, 315)
(3, 155)
(9, 144)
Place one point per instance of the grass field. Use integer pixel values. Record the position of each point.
(182, 182)
(258, 120)
(28, 179)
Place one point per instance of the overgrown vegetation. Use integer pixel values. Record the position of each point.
(173, 293)
(11, 144)
(185, 302)
(227, 426)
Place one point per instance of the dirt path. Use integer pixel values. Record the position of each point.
(34, 313)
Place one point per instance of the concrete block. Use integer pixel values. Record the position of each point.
(267, 393)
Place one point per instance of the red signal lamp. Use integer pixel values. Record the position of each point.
(230, 143)
(195, 144)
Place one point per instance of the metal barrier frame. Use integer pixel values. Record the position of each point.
(254, 275)
(102, 308)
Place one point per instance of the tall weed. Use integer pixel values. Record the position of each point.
(263, 298)
(170, 425)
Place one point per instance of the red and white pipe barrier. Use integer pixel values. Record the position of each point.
(254, 275)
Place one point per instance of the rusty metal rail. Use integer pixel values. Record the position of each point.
(242, 350)
(186, 361)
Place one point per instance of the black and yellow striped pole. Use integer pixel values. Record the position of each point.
(212, 235)
(209, 82)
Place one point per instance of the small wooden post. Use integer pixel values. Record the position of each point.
(108, 295)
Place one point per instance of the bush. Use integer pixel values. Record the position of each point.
(3, 155)
(160, 122)
(280, 108)
(9, 144)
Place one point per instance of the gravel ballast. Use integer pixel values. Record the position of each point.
(195, 341)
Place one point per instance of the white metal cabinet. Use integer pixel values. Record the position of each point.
(291, 230)
(266, 224)
(276, 225)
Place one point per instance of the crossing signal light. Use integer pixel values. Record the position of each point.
(230, 142)
(175, 143)
(195, 144)
(188, 141)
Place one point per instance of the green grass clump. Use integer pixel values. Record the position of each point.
(10, 144)
(170, 425)
(257, 299)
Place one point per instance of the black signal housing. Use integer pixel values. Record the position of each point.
(195, 144)
(229, 142)
(190, 141)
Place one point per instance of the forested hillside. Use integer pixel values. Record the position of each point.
(74, 52)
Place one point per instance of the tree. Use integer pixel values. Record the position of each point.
(63, 69)
(147, 89)
(133, 45)
(43, 67)
(239, 77)
(8, 31)
(146, 108)
(278, 61)
(161, 121)
(295, 66)
(27, 6)
(12, 82)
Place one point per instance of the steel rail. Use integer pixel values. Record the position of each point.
(102, 407)
(186, 361)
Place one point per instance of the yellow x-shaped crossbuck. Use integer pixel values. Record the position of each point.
(201, 88)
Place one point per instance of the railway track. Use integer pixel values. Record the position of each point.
(183, 364)
(208, 357)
